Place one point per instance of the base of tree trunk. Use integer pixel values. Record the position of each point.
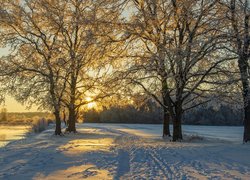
(166, 135)
(71, 122)
(246, 141)
(70, 130)
(59, 133)
(177, 130)
(177, 135)
(58, 130)
(246, 138)
(166, 131)
(177, 139)
(246, 135)
(166, 122)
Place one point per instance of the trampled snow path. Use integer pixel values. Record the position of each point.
(110, 152)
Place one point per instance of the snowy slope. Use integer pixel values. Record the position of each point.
(109, 151)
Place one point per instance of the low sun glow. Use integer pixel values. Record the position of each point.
(90, 105)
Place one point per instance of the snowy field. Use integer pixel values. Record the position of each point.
(128, 151)
(12, 133)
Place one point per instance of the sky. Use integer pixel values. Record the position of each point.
(13, 106)
(10, 103)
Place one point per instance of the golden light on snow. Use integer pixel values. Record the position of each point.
(78, 146)
(10, 133)
(88, 171)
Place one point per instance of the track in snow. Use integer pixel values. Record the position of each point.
(103, 152)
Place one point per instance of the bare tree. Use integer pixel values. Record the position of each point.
(237, 18)
(175, 54)
(85, 38)
(34, 65)
(64, 46)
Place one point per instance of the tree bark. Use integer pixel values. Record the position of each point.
(166, 109)
(177, 129)
(72, 109)
(243, 66)
(242, 43)
(177, 132)
(166, 122)
(58, 130)
(56, 105)
(72, 119)
(64, 118)
(246, 136)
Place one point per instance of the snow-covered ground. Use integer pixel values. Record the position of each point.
(11, 133)
(227, 133)
(127, 151)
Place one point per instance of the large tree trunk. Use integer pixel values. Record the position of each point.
(166, 122)
(72, 119)
(58, 130)
(177, 130)
(246, 136)
(72, 109)
(166, 109)
(243, 66)
(56, 105)
(64, 118)
(242, 44)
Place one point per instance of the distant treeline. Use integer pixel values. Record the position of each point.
(27, 114)
(149, 113)
(22, 117)
(223, 115)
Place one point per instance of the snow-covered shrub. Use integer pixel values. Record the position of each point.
(39, 125)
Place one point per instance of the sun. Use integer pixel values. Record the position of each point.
(90, 105)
